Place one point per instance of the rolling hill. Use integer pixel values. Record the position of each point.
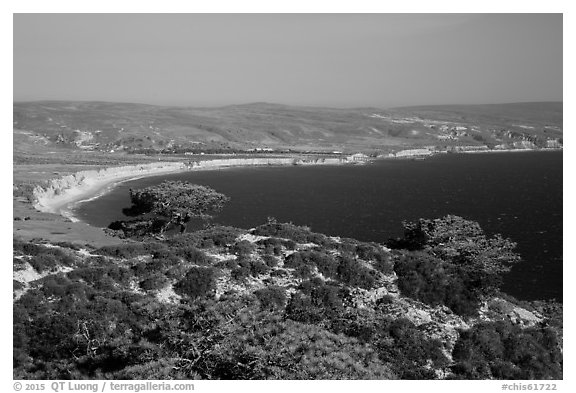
(119, 127)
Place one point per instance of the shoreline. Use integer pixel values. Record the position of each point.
(433, 153)
(62, 195)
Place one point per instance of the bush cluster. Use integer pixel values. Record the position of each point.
(198, 282)
(502, 350)
(216, 236)
(271, 297)
(435, 282)
(298, 234)
(246, 267)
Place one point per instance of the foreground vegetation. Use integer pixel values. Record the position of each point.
(280, 302)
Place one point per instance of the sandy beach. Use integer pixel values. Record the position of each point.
(64, 193)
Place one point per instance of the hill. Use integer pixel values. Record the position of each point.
(274, 302)
(122, 127)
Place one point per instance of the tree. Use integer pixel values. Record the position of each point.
(463, 245)
(176, 202)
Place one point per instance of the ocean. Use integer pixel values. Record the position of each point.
(518, 195)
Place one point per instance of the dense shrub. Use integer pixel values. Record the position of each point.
(219, 236)
(193, 255)
(69, 245)
(278, 349)
(199, 281)
(408, 349)
(257, 268)
(502, 350)
(276, 244)
(43, 262)
(304, 272)
(102, 277)
(126, 251)
(55, 285)
(240, 273)
(279, 273)
(27, 248)
(353, 273)
(298, 234)
(42, 258)
(176, 271)
(382, 260)
(18, 264)
(153, 266)
(156, 281)
(247, 267)
(227, 264)
(463, 244)
(270, 261)
(243, 248)
(435, 282)
(17, 285)
(294, 260)
(315, 301)
(271, 297)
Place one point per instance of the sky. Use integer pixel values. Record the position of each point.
(332, 60)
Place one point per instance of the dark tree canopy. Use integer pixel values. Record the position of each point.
(452, 259)
(462, 242)
(171, 203)
(176, 197)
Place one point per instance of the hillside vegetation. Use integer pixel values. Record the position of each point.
(119, 127)
(279, 302)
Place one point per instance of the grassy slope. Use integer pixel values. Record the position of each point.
(115, 125)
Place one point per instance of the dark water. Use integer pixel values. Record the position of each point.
(516, 194)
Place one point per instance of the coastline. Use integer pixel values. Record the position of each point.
(63, 194)
(433, 153)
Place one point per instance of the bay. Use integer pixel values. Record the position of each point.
(518, 195)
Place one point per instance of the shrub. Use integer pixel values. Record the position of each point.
(315, 301)
(70, 245)
(125, 251)
(240, 273)
(289, 231)
(408, 349)
(43, 258)
(156, 281)
(243, 248)
(55, 285)
(257, 268)
(353, 273)
(227, 264)
(326, 264)
(463, 244)
(372, 252)
(43, 262)
(270, 261)
(303, 271)
(146, 268)
(198, 282)
(17, 285)
(279, 273)
(219, 236)
(193, 255)
(435, 282)
(504, 351)
(27, 248)
(294, 260)
(271, 297)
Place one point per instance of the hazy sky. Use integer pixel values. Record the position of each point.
(343, 60)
